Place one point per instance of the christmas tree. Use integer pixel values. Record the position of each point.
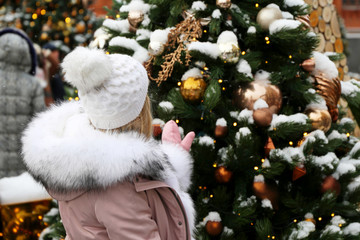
(274, 157)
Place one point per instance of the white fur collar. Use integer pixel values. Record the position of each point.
(64, 152)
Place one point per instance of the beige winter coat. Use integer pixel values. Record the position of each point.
(109, 186)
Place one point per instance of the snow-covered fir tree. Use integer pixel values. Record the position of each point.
(274, 155)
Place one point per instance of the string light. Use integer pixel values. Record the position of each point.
(214, 141)
(67, 20)
(340, 225)
(206, 68)
(205, 31)
(117, 15)
(252, 224)
(200, 187)
(256, 5)
(320, 218)
(273, 237)
(239, 214)
(269, 236)
(348, 134)
(305, 134)
(295, 220)
(215, 165)
(266, 62)
(40, 217)
(43, 12)
(107, 53)
(223, 88)
(256, 168)
(70, 98)
(267, 42)
(211, 196)
(262, 160)
(77, 99)
(220, 80)
(224, 61)
(204, 187)
(290, 56)
(179, 84)
(333, 215)
(291, 143)
(243, 53)
(235, 124)
(194, 39)
(274, 129)
(177, 121)
(267, 38)
(34, 16)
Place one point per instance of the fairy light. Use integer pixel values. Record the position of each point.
(220, 80)
(194, 39)
(291, 143)
(295, 220)
(348, 134)
(267, 42)
(67, 20)
(223, 88)
(290, 56)
(205, 31)
(239, 214)
(70, 98)
(206, 68)
(305, 134)
(200, 187)
(106, 17)
(243, 53)
(340, 225)
(267, 38)
(215, 165)
(179, 84)
(177, 121)
(256, 5)
(77, 99)
(333, 215)
(262, 160)
(107, 53)
(320, 218)
(34, 16)
(225, 62)
(204, 187)
(211, 196)
(273, 237)
(117, 15)
(256, 168)
(43, 12)
(214, 141)
(235, 124)
(266, 62)
(252, 224)
(40, 217)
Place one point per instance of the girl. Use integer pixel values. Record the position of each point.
(95, 156)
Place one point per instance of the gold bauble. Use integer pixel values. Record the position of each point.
(135, 18)
(193, 89)
(230, 55)
(246, 96)
(213, 228)
(331, 184)
(44, 36)
(220, 131)
(225, 4)
(262, 117)
(268, 15)
(320, 119)
(222, 175)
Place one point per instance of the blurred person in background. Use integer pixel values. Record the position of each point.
(21, 96)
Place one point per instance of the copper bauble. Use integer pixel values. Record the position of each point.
(331, 184)
(268, 15)
(268, 147)
(80, 27)
(193, 89)
(213, 228)
(320, 119)
(220, 131)
(262, 117)
(222, 175)
(305, 19)
(246, 96)
(308, 65)
(225, 4)
(135, 18)
(298, 172)
(156, 130)
(311, 220)
(264, 190)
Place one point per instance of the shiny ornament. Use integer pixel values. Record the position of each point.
(246, 96)
(221, 131)
(262, 117)
(193, 89)
(156, 48)
(268, 15)
(310, 220)
(224, 4)
(135, 18)
(264, 190)
(156, 130)
(26, 218)
(44, 36)
(213, 228)
(331, 184)
(304, 20)
(268, 147)
(222, 175)
(298, 172)
(330, 90)
(80, 27)
(320, 119)
(230, 55)
(308, 65)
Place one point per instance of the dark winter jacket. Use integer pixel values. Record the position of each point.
(20, 97)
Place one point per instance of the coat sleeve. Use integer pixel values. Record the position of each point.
(126, 214)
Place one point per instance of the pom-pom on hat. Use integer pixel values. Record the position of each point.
(112, 88)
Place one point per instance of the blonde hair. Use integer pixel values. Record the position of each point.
(141, 124)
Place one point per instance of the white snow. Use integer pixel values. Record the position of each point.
(221, 122)
(246, 114)
(259, 178)
(266, 164)
(324, 65)
(140, 53)
(295, 118)
(198, 6)
(346, 120)
(262, 76)
(344, 168)
(135, 5)
(287, 15)
(336, 220)
(212, 216)
(158, 121)
(207, 141)
(352, 229)
(244, 67)
(273, 5)
(243, 132)
(142, 34)
(207, 48)
(336, 135)
(293, 3)
(227, 38)
(160, 35)
(326, 161)
(265, 203)
(354, 184)
(121, 26)
(167, 106)
(288, 153)
(193, 72)
(355, 149)
(309, 216)
(304, 228)
(318, 103)
(283, 24)
(216, 14)
(21, 189)
(260, 103)
(227, 230)
(331, 229)
(251, 30)
(248, 202)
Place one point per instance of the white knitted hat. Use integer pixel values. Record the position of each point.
(112, 88)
